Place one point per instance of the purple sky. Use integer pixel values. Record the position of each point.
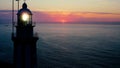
(66, 17)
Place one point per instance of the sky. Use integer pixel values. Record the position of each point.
(70, 10)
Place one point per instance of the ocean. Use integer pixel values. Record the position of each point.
(70, 45)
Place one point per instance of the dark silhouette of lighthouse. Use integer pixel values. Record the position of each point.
(24, 40)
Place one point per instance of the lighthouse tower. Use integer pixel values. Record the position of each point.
(24, 40)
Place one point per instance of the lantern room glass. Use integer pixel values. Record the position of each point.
(26, 18)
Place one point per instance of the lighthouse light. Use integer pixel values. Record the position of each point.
(25, 17)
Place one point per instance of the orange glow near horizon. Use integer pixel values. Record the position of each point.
(66, 17)
(62, 17)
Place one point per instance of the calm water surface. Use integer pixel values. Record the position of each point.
(70, 45)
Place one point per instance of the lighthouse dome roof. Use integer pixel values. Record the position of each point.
(24, 10)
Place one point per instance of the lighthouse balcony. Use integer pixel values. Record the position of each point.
(14, 36)
(31, 24)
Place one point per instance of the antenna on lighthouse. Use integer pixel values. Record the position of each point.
(13, 22)
(18, 4)
(13, 16)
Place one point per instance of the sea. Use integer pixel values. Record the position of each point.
(69, 45)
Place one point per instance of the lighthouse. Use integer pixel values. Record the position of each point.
(24, 40)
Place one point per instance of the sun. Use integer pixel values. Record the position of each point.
(63, 21)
